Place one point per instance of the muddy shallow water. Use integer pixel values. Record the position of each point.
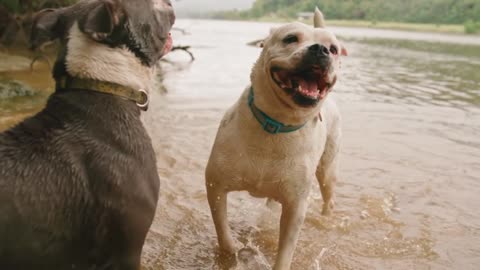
(410, 164)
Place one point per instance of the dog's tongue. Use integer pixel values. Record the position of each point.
(168, 45)
(308, 86)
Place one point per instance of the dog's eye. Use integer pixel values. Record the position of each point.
(290, 39)
(334, 49)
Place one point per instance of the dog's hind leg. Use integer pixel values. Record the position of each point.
(217, 199)
(293, 216)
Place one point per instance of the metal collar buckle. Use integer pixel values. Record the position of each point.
(269, 124)
(272, 127)
(144, 105)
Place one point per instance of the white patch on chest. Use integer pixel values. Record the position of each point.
(89, 59)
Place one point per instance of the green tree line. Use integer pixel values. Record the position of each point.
(411, 11)
(414, 11)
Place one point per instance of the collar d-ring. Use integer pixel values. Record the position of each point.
(144, 105)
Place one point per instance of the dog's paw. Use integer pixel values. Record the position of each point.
(228, 248)
(328, 208)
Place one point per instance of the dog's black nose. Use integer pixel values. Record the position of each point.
(319, 50)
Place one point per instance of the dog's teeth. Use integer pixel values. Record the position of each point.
(276, 77)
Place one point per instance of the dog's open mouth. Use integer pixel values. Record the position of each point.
(310, 83)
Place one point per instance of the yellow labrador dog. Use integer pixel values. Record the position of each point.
(282, 133)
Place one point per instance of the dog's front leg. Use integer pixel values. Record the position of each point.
(293, 215)
(217, 199)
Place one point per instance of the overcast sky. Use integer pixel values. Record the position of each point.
(183, 7)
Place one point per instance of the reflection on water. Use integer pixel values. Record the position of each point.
(392, 70)
(410, 161)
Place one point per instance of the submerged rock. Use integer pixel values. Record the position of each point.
(9, 89)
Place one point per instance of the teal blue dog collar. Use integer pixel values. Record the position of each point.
(269, 124)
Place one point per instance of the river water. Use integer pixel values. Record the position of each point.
(408, 193)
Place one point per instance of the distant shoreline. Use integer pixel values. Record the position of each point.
(417, 27)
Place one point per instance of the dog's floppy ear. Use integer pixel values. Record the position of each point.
(256, 43)
(45, 27)
(262, 43)
(100, 22)
(318, 19)
(343, 50)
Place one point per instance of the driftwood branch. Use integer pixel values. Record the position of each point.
(42, 53)
(181, 30)
(185, 49)
(39, 57)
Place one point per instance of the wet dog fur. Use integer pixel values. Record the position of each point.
(291, 81)
(78, 181)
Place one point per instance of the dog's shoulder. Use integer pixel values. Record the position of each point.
(239, 107)
(331, 115)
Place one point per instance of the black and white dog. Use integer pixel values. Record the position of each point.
(78, 181)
